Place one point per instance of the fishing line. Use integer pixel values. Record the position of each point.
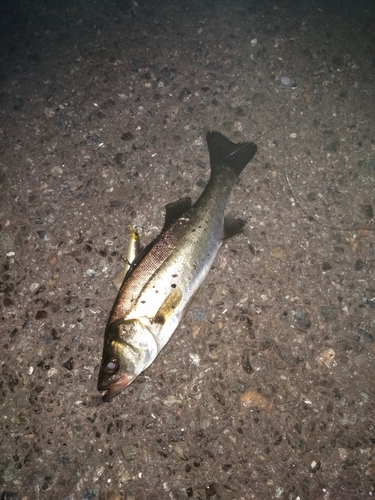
(310, 217)
(245, 144)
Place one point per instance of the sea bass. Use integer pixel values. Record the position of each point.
(164, 277)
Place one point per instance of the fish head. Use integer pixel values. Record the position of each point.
(129, 348)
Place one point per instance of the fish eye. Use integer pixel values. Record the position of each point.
(111, 366)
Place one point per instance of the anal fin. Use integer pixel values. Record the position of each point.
(232, 226)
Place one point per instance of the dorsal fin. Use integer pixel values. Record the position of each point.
(174, 210)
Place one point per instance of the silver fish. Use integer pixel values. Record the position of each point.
(163, 279)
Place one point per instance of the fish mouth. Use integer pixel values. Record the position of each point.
(114, 388)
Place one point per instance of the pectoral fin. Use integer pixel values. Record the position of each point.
(168, 306)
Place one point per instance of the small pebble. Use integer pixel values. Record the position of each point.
(194, 358)
(326, 357)
(302, 319)
(34, 287)
(326, 266)
(211, 490)
(69, 365)
(41, 314)
(198, 315)
(253, 399)
(359, 265)
(279, 252)
(285, 80)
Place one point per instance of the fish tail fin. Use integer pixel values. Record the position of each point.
(226, 154)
